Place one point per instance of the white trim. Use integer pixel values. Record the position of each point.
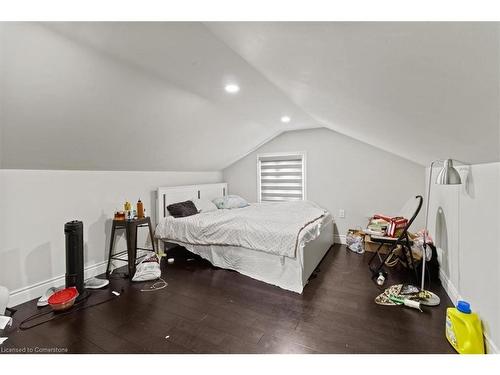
(449, 287)
(340, 238)
(30, 292)
(454, 295)
(491, 347)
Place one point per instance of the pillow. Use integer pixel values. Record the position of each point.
(230, 201)
(182, 209)
(204, 205)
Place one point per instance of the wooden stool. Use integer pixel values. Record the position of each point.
(130, 227)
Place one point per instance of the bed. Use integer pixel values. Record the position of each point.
(278, 243)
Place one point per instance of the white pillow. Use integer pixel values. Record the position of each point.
(204, 205)
(230, 201)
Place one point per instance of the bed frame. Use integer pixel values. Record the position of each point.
(173, 194)
(313, 253)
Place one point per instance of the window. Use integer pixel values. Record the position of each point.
(281, 177)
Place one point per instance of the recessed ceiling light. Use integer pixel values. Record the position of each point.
(285, 119)
(232, 88)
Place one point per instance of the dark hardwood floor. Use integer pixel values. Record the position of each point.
(210, 310)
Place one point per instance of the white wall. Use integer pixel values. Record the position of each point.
(464, 221)
(35, 204)
(64, 105)
(2, 90)
(341, 173)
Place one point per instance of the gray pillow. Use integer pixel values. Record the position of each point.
(230, 201)
(182, 209)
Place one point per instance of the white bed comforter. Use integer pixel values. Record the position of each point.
(276, 228)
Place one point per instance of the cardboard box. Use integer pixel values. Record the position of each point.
(372, 247)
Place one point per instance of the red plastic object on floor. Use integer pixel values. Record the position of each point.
(63, 299)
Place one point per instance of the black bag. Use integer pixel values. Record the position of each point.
(431, 267)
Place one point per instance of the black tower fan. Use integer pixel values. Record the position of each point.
(73, 231)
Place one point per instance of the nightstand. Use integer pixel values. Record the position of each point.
(130, 227)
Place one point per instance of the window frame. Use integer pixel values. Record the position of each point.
(303, 156)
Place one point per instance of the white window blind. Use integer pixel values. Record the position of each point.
(281, 177)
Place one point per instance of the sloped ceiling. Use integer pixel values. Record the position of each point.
(133, 96)
(420, 90)
(150, 96)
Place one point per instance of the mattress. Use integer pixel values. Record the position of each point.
(274, 228)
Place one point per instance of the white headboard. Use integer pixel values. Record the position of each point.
(173, 194)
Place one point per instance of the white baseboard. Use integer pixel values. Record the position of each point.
(30, 292)
(339, 238)
(491, 347)
(449, 287)
(454, 295)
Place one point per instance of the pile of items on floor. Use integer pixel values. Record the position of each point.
(382, 226)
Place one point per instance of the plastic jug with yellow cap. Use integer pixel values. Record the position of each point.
(464, 330)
